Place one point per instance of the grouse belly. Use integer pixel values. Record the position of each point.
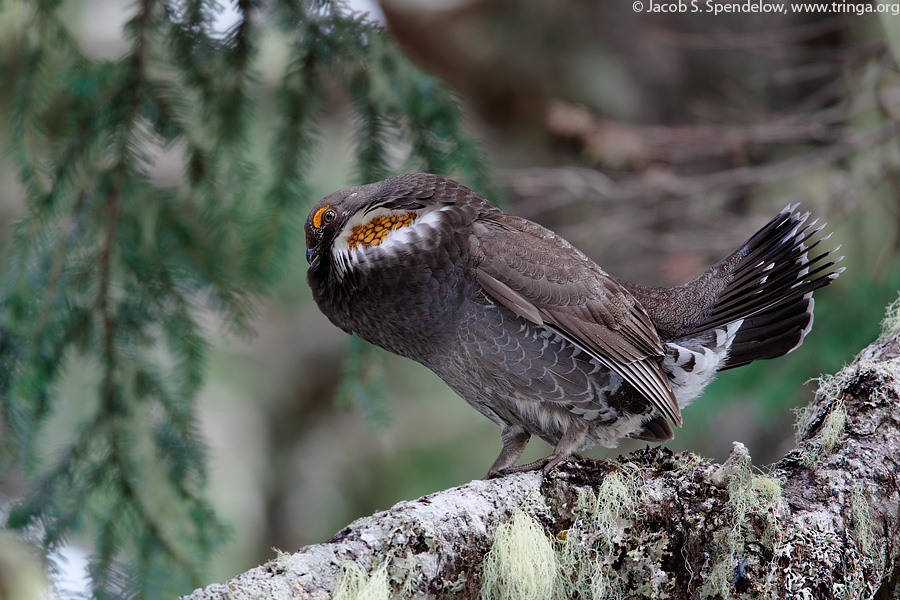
(528, 377)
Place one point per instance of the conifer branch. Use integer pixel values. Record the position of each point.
(109, 266)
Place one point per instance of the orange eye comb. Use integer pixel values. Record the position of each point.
(317, 218)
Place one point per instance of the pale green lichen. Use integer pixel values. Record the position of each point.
(748, 495)
(687, 461)
(583, 564)
(457, 585)
(615, 502)
(831, 389)
(862, 520)
(411, 575)
(574, 547)
(282, 559)
(589, 547)
(354, 584)
(833, 429)
(855, 564)
(890, 326)
(828, 436)
(767, 489)
(803, 415)
(522, 562)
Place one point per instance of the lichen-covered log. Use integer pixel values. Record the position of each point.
(822, 523)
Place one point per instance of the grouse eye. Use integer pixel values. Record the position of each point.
(328, 216)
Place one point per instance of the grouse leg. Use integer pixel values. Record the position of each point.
(514, 442)
(570, 441)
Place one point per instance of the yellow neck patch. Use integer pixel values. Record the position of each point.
(374, 232)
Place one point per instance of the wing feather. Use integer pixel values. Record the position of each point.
(508, 297)
(543, 279)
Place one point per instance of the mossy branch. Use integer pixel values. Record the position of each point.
(821, 523)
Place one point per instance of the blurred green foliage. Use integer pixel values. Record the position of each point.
(112, 266)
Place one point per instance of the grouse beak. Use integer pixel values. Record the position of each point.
(312, 256)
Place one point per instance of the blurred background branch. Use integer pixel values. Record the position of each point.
(159, 158)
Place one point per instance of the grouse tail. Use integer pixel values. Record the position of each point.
(768, 294)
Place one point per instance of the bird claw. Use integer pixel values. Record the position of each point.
(545, 464)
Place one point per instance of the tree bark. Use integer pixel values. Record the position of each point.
(823, 523)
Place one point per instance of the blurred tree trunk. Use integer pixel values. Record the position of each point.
(822, 524)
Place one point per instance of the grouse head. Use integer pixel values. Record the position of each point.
(360, 224)
(333, 221)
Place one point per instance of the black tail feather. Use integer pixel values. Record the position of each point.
(771, 333)
(770, 282)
